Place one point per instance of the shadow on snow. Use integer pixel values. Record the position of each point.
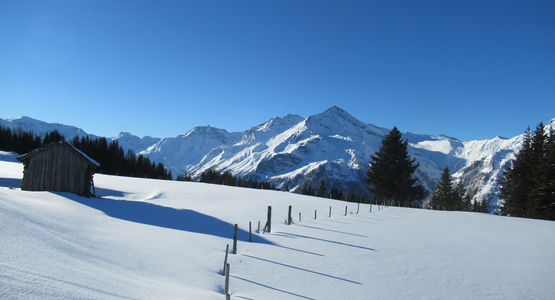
(166, 217)
(13, 183)
(271, 288)
(301, 269)
(292, 235)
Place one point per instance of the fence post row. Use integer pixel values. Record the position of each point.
(268, 228)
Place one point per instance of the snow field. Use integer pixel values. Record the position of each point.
(152, 239)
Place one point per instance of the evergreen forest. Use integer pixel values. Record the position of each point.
(447, 196)
(112, 158)
(334, 193)
(18, 141)
(115, 161)
(226, 178)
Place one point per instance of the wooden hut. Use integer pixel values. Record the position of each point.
(60, 167)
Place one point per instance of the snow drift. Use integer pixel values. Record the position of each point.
(154, 239)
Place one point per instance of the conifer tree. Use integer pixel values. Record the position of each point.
(516, 181)
(484, 206)
(52, 136)
(545, 197)
(322, 188)
(390, 174)
(466, 204)
(444, 196)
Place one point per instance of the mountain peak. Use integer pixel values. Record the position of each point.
(335, 109)
(333, 117)
(25, 119)
(335, 112)
(209, 132)
(280, 123)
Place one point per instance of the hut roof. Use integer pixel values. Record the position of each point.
(62, 143)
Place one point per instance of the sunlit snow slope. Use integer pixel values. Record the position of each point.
(152, 239)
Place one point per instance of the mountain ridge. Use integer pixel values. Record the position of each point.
(293, 152)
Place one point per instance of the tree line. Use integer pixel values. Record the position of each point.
(21, 142)
(111, 156)
(115, 161)
(18, 141)
(226, 178)
(447, 196)
(334, 193)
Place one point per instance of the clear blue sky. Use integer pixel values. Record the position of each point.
(467, 69)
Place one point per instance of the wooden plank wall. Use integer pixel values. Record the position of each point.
(59, 168)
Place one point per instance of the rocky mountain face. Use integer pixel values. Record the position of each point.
(294, 152)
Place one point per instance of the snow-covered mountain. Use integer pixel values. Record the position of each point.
(293, 152)
(40, 128)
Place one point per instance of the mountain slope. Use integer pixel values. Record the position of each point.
(294, 152)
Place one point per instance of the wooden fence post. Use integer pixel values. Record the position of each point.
(226, 286)
(289, 219)
(250, 232)
(330, 212)
(345, 209)
(315, 214)
(235, 240)
(370, 207)
(268, 226)
(358, 207)
(258, 227)
(299, 216)
(269, 219)
(225, 260)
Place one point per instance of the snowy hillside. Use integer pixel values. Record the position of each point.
(293, 152)
(152, 239)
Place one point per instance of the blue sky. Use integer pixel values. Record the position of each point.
(467, 69)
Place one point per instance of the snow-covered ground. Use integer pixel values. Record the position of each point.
(152, 239)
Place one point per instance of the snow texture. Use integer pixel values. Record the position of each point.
(154, 239)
